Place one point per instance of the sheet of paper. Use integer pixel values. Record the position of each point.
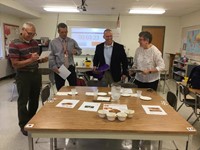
(101, 98)
(126, 91)
(67, 103)
(153, 110)
(44, 54)
(62, 93)
(64, 72)
(89, 106)
(89, 93)
(115, 107)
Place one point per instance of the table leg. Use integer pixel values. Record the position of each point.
(160, 145)
(51, 143)
(177, 86)
(164, 82)
(55, 143)
(30, 142)
(189, 143)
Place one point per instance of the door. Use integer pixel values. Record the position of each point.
(158, 33)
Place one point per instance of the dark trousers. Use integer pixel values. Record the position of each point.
(28, 87)
(152, 85)
(72, 78)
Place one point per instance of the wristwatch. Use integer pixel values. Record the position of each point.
(149, 72)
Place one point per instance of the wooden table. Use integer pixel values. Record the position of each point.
(83, 69)
(54, 122)
(193, 92)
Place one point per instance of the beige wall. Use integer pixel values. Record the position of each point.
(190, 20)
(4, 64)
(130, 27)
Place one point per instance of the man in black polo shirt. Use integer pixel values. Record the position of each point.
(24, 54)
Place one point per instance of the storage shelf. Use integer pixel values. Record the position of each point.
(182, 68)
(180, 62)
(178, 74)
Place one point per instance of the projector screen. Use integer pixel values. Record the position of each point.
(87, 38)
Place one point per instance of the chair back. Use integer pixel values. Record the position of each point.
(97, 83)
(184, 91)
(197, 102)
(49, 72)
(172, 100)
(45, 71)
(45, 93)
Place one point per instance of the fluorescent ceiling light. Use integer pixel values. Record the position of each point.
(146, 11)
(61, 9)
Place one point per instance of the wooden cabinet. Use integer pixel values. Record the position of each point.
(181, 69)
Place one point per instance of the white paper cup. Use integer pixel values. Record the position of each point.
(121, 116)
(111, 116)
(102, 113)
(129, 113)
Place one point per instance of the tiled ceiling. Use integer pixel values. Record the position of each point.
(172, 7)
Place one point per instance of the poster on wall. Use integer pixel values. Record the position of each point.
(11, 32)
(193, 42)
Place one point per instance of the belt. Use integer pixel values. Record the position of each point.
(28, 70)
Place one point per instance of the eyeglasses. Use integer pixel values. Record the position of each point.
(30, 33)
(141, 39)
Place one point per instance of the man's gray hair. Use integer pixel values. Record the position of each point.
(28, 24)
(107, 30)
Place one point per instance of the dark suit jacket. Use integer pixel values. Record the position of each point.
(118, 64)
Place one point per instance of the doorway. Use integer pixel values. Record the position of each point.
(158, 33)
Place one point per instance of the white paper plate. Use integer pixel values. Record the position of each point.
(62, 93)
(102, 93)
(125, 94)
(89, 93)
(70, 93)
(146, 98)
(134, 95)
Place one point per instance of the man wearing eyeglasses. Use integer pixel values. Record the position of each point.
(24, 56)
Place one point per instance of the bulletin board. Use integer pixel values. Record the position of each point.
(11, 32)
(191, 42)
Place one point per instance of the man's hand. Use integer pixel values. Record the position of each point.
(43, 60)
(34, 57)
(56, 70)
(123, 77)
(131, 72)
(95, 70)
(74, 51)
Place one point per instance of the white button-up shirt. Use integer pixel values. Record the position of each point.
(108, 53)
(148, 59)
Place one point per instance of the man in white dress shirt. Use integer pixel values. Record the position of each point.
(148, 59)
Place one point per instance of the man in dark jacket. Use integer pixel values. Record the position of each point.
(112, 54)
